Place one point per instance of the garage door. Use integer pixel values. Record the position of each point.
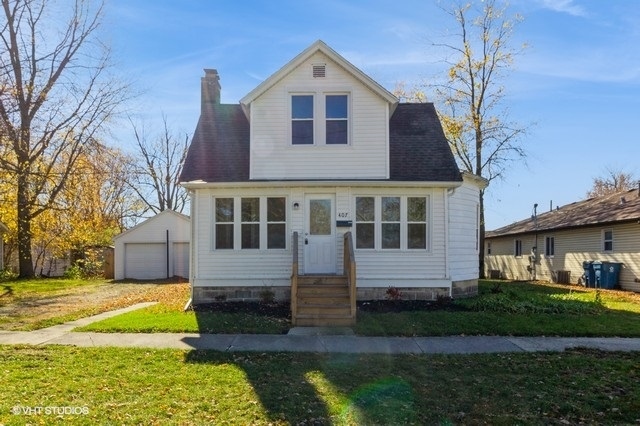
(181, 260)
(146, 261)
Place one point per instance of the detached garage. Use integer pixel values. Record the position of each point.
(154, 249)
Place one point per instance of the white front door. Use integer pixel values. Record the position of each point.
(320, 235)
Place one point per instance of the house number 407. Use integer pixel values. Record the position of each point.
(343, 215)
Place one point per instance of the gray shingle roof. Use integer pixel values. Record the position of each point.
(619, 207)
(419, 151)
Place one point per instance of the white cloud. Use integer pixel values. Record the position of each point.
(564, 6)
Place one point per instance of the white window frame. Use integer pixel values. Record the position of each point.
(319, 116)
(549, 239)
(237, 223)
(517, 247)
(377, 246)
(606, 240)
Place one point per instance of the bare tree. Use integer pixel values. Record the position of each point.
(156, 169)
(614, 181)
(56, 93)
(483, 139)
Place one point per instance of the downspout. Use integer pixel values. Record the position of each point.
(167, 254)
(447, 194)
(191, 250)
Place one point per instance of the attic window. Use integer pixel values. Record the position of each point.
(319, 70)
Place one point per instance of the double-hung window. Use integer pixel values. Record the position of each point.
(260, 224)
(607, 240)
(320, 118)
(302, 128)
(392, 222)
(337, 120)
(518, 248)
(549, 246)
(224, 223)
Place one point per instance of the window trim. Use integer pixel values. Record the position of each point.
(549, 239)
(517, 247)
(404, 222)
(605, 241)
(319, 118)
(312, 119)
(238, 222)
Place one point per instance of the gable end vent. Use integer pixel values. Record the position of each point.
(319, 70)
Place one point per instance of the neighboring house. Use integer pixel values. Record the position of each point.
(315, 153)
(154, 249)
(553, 245)
(3, 229)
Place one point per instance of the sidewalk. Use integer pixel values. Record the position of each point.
(306, 339)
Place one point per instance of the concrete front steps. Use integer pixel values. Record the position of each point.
(323, 301)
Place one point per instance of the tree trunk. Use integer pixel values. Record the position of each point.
(25, 262)
(481, 237)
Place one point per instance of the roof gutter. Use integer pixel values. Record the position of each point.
(320, 183)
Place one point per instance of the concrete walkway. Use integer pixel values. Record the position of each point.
(306, 339)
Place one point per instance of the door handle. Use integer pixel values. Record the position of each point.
(306, 241)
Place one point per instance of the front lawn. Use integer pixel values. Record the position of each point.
(519, 309)
(42, 302)
(142, 386)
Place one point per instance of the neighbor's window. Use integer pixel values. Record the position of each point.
(276, 223)
(607, 240)
(489, 248)
(549, 246)
(250, 223)
(302, 119)
(518, 248)
(365, 222)
(336, 114)
(224, 223)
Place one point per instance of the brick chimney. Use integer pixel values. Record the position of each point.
(210, 86)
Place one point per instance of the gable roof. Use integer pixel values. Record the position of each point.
(615, 208)
(419, 151)
(178, 216)
(319, 46)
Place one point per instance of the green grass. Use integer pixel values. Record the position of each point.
(138, 386)
(162, 318)
(42, 287)
(521, 309)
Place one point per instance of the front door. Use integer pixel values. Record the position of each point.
(320, 235)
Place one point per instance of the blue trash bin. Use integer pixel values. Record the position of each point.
(597, 274)
(610, 274)
(589, 276)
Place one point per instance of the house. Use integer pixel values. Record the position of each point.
(320, 177)
(3, 230)
(154, 249)
(553, 245)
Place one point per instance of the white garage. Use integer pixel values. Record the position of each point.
(154, 249)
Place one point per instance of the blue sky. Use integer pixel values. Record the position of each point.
(578, 82)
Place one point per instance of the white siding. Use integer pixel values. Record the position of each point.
(375, 268)
(463, 232)
(273, 156)
(572, 247)
(152, 231)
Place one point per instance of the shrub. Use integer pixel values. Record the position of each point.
(267, 295)
(393, 293)
(7, 274)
